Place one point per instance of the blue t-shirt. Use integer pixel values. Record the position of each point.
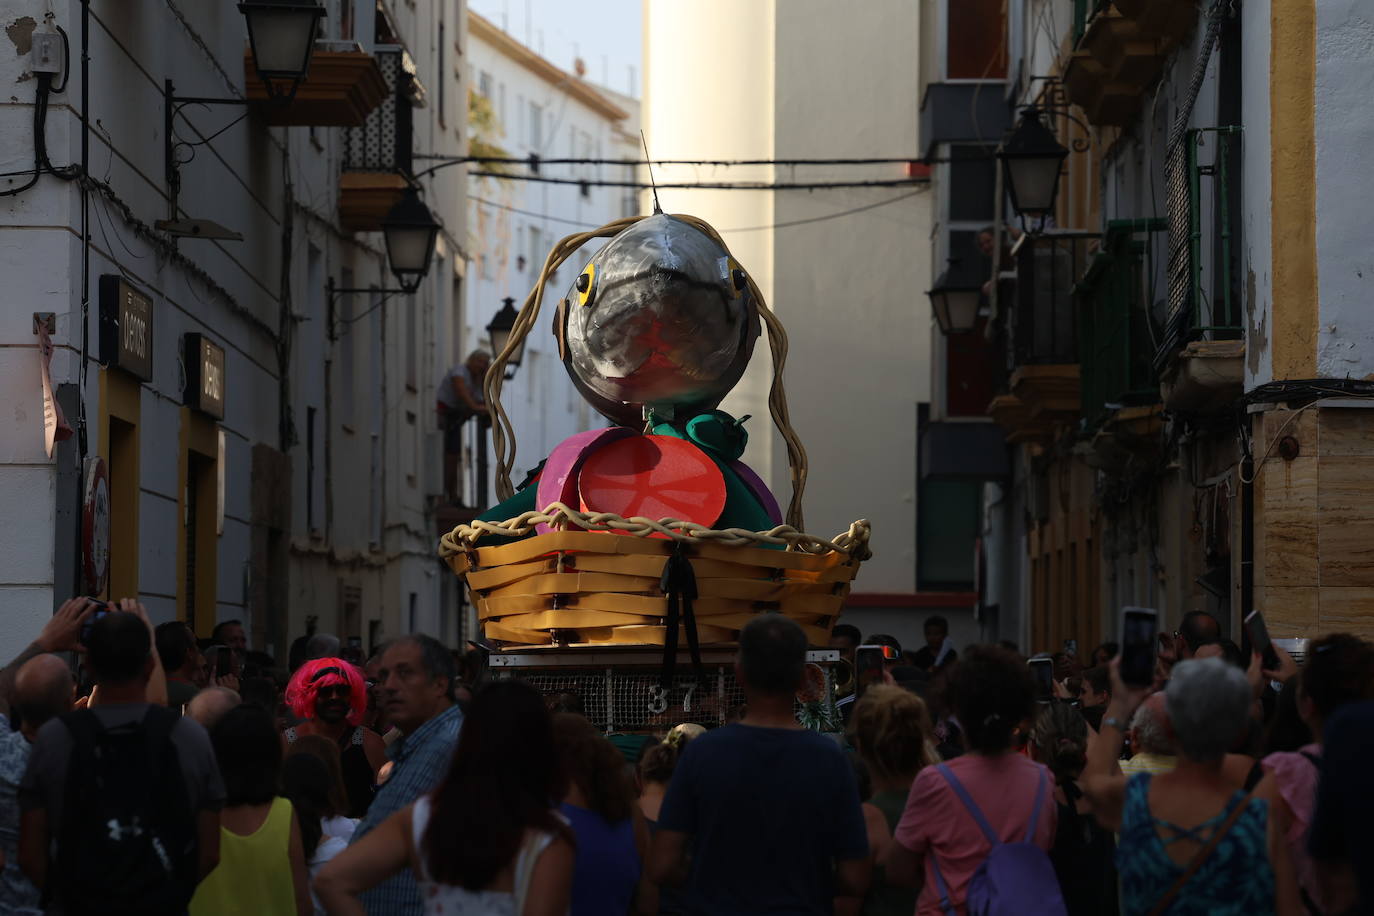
(768, 811)
(607, 868)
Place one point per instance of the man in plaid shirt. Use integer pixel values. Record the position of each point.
(417, 679)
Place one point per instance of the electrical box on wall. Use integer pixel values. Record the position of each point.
(47, 52)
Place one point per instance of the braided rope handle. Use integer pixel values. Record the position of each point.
(503, 431)
(852, 543)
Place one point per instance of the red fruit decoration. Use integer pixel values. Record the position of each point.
(655, 477)
(559, 481)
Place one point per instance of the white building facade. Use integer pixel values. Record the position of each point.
(270, 442)
(845, 269)
(545, 112)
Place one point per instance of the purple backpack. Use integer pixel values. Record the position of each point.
(1015, 878)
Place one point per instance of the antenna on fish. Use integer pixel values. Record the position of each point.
(649, 163)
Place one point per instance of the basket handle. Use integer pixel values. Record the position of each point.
(503, 431)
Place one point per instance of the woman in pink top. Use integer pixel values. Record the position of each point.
(993, 694)
(1339, 670)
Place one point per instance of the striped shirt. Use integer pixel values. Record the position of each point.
(419, 762)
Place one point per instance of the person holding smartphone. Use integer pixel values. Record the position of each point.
(1186, 835)
(1339, 672)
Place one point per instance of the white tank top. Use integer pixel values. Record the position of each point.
(451, 900)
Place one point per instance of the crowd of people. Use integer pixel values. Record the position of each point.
(143, 771)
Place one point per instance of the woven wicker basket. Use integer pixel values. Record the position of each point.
(600, 588)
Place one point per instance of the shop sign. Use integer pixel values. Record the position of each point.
(126, 327)
(204, 375)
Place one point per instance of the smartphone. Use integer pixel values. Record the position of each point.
(1042, 670)
(101, 609)
(868, 665)
(1260, 641)
(1139, 629)
(224, 660)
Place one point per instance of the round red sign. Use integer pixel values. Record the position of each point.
(95, 526)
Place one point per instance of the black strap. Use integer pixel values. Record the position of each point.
(1308, 902)
(1316, 761)
(679, 586)
(1253, 778)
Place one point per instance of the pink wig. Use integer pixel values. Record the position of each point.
(305, 684)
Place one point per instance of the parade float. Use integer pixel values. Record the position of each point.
(624, 566)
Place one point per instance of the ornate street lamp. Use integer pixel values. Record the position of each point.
(1032, 160)
(410, 231)
(956, 298)
(282, 36)
(499, 330)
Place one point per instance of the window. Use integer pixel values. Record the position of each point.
(969, 192)
(347, 356)
(520, 121)
(486, 265)
(350, 611)
(413, 459)
(198, 542)
(412, 343)
(947, 526)
(413, 611)
(314, 468)
(537, 254)
(536, 138)
(443, 75)
(975, 39)
(456, 321)
(484, 85)
(501, 108)
(973, 180)
(374, 502)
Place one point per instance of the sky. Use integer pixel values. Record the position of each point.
(604, 33)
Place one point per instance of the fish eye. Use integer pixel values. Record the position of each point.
(586, 285)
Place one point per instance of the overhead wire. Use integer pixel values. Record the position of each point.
(780, 225)
(710, 185)
(518, 160)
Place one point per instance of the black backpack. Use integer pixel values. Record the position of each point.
(127, 842)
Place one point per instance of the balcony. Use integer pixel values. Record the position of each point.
(1104, 103)
(1119, 48)
(1043, 390)
(1171, 22)
(1021, 426)
(377, 154)
(344, 84)
(1115, 328)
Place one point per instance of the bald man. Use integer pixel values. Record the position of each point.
(1151, 741)
(43, 689)
(210, 705)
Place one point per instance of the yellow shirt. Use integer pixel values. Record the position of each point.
(253, 877)
(1145, 762)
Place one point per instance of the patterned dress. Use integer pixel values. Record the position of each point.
(1235, 879)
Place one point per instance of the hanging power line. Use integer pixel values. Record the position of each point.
(534, 161)
(710, 185)
(782, 225)
(516, 160)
